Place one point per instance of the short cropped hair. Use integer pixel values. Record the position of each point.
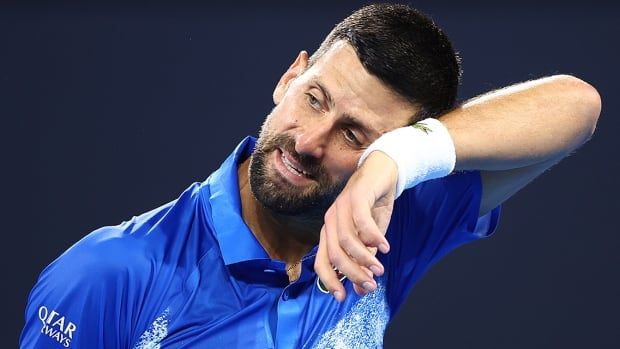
(404, 49)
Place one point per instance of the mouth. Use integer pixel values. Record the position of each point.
(290, 169)
(293, 167)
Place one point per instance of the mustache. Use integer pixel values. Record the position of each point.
(311, 164)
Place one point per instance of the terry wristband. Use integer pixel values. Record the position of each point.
(423, 151)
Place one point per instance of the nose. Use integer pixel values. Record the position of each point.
(313, 139)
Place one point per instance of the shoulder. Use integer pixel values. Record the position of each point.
(430, 220)
(459, 189)
(130, 252)
(92, 285)
(138, 247)
(116, 273)
(449, 205)
(102, 262)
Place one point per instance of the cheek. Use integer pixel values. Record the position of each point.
(292, 111)
(340, 165)
(277, 121)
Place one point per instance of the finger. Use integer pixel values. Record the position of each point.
(337, 255)
(325, 271)
(382, 217)
(382, 213)
(350, 242)
(368, 230)
(350, 239)
(358, 289)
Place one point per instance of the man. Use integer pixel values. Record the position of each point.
(235, 262)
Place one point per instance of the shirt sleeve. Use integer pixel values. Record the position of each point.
(106, 290)
(429, 221)
(84, 298)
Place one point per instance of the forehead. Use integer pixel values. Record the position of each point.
(358, 93)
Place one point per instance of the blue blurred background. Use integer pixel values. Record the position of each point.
(113, 108)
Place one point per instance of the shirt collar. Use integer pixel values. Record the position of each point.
(239, 247)
(237, 242)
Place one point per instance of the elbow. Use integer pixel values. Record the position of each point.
(590, 106)
(585, 103)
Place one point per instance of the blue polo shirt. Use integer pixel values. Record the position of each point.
(190, 274)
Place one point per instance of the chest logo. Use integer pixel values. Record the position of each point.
(321, 286)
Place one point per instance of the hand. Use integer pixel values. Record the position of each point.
(355, 226)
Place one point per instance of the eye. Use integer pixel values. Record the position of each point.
(350, 137)
(313, 101)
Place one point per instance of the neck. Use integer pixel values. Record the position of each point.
(283, 237)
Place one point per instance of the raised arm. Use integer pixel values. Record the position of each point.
(511, 135)
(514, 134)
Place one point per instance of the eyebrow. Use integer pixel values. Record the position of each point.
(330, 101)
(348, 118)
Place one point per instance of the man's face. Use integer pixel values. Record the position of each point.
(323, 120)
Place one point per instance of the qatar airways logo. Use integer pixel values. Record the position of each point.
(56, 326)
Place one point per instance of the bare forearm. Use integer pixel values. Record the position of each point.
(524, 124)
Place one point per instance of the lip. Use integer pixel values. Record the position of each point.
(292, 160)
(293, 178)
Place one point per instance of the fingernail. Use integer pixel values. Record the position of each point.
(368, 286)
(337, 295)
(384, 248)
(375, 270)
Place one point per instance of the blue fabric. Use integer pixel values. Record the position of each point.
(190, 274)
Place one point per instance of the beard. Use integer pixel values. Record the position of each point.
(278, 195)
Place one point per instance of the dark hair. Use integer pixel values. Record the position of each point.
(406, 50)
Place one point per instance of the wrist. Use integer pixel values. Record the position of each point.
(421, 152)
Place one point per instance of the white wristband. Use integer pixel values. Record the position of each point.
(423, 151)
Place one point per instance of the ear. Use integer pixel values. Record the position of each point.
(298, 67)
